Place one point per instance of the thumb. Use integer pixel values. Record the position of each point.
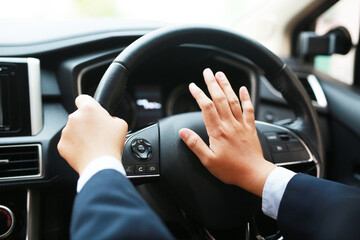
(196, 144)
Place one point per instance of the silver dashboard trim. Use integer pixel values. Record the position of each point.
(143, 176)
(13, 60)
(318, 91)
(87, 68)
(35, 95)
(320, 102)
(40, 174)
(32, 215)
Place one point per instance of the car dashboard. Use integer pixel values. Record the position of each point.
(41, 201)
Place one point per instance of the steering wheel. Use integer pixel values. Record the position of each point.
(158, 151)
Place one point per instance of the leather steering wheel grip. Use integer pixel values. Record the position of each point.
(113, 83)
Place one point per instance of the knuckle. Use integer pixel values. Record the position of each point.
(71, 116)
(60, 147)
(208, 162)
(219, 132)
(249, 109)
(234, 102)
(209, 106)
(122, 123)
(87, 107)
(193, 142)
(224, 82)
(220, 98)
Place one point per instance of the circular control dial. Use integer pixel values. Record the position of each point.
(6, 221)
(142, 149)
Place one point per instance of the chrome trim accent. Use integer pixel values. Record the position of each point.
(141, 130)
(4, 161)
(28, 214)
(32, 218)
(318, 91)
(143, 176)
(295, 162)
(12, 222)
(211, 237)
(85, 69)
(13, 60)
(35, 95)
(312, 157)
(247, 231)
(40, 174)
(320, 102)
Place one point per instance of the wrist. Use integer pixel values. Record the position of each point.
(86, 160)
(254, 178)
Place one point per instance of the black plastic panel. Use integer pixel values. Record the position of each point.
(14, 104)
(141, 153)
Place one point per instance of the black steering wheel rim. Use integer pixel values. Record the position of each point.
(113, 83)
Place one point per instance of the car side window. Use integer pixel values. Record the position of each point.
(345, 13)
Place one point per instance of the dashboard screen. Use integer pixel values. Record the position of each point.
(148, 104)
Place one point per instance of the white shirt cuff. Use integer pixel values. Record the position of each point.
(101, 163)
(274, 190)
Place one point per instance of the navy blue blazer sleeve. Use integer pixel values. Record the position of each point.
(313, 208)
(109, 207)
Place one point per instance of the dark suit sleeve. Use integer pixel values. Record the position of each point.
(313, 208)
(109, 207)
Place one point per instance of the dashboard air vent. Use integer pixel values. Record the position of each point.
(20, 161)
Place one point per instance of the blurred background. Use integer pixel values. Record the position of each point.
(263, 20)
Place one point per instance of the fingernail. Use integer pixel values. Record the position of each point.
(192, 87)
(220, 76)
(208, 72)
(244, 93)
(184, 133)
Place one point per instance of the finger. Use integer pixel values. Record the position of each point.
(196, 144)
(217, 95)
(232, 99)
(83, 100)
(248, 109)
(210, 115)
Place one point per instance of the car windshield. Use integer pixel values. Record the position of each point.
(34, 21)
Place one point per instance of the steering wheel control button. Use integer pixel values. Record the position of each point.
(129, 169)
(6, 222)
(271, 136)
(152, 168)
(141, 149)
(284, 137)
(295, 147)
(277, 148)
(140, 169)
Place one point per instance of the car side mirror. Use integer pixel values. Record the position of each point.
(337, 40)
